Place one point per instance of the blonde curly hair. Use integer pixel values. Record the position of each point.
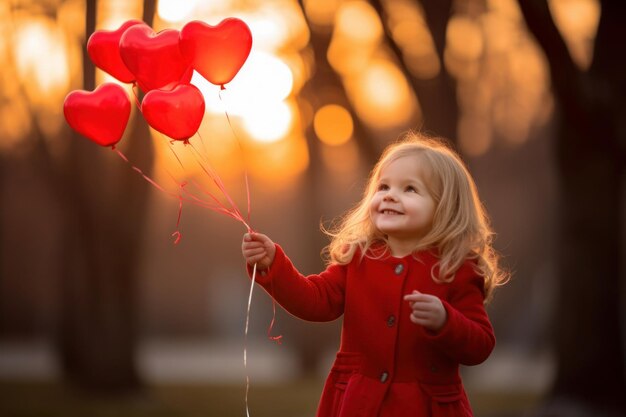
(460, 228)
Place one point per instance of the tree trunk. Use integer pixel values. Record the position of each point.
(105, 207)
(591, 374)
(587, 330)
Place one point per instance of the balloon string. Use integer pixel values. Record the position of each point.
(220, 185)
(277, 339)
(190, 199)
(136, 96)
(234, 213)
(171, 148)
(245, 346)
(219, 207)
(216, 179)
(177, 235)
(140, 172)
(245, 173)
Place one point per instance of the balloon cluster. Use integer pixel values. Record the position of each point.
(161, 65)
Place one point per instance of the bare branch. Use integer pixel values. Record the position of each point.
(437, 95)
(89, 69)
(320, 44)
(611, 37)
(539, 21)
(437, 15)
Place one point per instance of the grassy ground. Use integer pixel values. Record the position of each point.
(297, 399)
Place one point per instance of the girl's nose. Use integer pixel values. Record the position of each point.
(389, 196)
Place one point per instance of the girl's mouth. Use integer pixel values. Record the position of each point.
(389, 211)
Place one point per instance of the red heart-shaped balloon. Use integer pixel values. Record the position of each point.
(176, 113)
(103, 47)
(100, 115)
(154, 58)
(216, 52)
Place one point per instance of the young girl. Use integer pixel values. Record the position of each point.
(410, 269)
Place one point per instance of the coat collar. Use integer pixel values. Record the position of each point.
(380, 251)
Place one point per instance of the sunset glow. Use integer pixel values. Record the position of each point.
(262, 104)
(381, 95)
(263, 78)
(268, 123)
(333, 125)
(358, 21)
(40, 41)
(464, 38)
(578, 21)
(175, 10)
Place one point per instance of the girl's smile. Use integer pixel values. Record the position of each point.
(392, 212)
(402, 207)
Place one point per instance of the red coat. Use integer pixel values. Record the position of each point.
(386, 365)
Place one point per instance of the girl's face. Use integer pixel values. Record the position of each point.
(402, 208)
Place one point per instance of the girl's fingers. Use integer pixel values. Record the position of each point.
(254, 251)
(255, 237)
(418, 297)
(420, 321)
(422, 314)
(255, 258)
(421, 306)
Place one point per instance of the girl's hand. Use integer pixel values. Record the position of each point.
(428, 310)
(258, 249)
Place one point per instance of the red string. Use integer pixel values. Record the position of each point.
(232, 212)
(245, 172)
(220, 185)
(218, 207)
(177, 235)
(135, 95)
(278, 338)
(190, 197)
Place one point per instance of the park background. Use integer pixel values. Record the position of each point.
(101, 314)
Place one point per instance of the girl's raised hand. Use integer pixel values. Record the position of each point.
(427, 310)
(258, 249)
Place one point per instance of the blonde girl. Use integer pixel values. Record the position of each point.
(410, 268)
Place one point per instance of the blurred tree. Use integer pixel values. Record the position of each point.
(590, 144)
(105, 208)
(437, 95)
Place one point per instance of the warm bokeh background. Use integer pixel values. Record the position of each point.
(96, 299)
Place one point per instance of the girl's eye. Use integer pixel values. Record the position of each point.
(383, 187)
(411, 189)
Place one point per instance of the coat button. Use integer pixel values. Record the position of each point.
(384, 376)
(399, 269)
(391, 320)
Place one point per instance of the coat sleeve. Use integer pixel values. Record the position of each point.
(467, 337)
(318, 297)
